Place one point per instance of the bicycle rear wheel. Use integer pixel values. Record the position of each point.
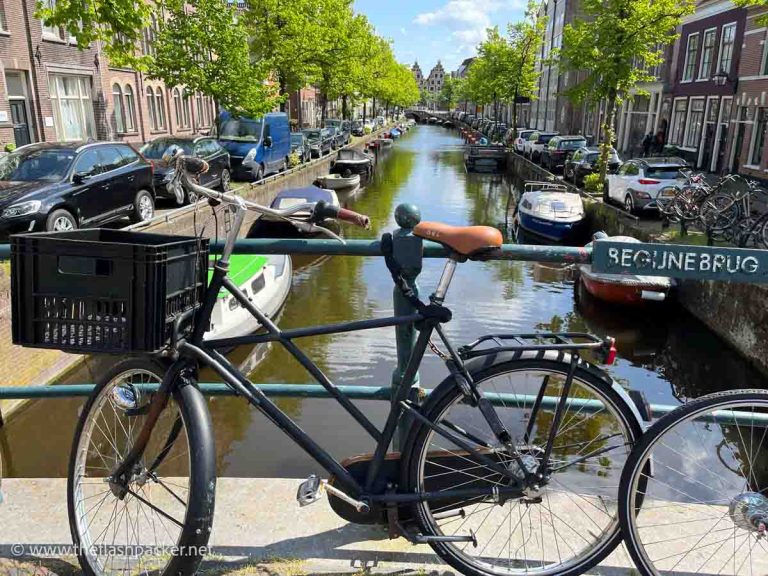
(162, 524)
(701, 510)
(569, 524)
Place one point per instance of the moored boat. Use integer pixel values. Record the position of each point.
(550, 212)
(265, 280)
(354, 161)
(628, 289)
(269, 227)
(339, 181)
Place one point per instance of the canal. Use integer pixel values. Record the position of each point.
(663, 351)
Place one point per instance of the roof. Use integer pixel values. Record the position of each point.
(656, 161)
(75, 145)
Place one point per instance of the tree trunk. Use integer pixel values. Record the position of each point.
(373, 108)
(514, 117)
(365, 110)
(608, 134)
(344, 107)
(284, 102)
(324, 109)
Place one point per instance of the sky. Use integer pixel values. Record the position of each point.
(432, 30)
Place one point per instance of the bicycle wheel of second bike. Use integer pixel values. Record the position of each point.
(572, 522)
(705, 507)
(161, 525)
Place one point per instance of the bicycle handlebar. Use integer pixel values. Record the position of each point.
(324, 210)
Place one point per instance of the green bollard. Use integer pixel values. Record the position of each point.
(407, 251)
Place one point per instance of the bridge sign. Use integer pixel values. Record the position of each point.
(680, 261)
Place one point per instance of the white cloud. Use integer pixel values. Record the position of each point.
(403, 32)
(467, 20)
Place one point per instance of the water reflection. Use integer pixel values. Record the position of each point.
(666, 354)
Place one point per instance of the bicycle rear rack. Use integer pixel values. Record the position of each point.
(541, 341)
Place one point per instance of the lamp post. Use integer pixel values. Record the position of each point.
(720, 78)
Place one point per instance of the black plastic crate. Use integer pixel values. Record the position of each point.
(103, 291)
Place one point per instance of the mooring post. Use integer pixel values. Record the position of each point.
(407, 251)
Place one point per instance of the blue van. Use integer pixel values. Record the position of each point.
(257, 147)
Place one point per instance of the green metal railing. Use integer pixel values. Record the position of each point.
(409, 250)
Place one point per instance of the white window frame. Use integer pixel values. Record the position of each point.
(687, 56)
(753, 139)
(117, 104)
(673, 131)
(764, 61)
(84, 108)
(3, 17)
(704, 75)
(160, 108)
(694, 145)
(129, 108)
(149, 94)
(720, 51)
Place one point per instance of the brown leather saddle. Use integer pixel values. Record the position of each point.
(467, 241)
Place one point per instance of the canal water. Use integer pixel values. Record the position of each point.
(663, 352)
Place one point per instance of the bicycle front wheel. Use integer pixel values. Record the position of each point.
(704, 508)
(567, 525)
(159, 524)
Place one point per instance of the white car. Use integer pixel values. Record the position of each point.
(637, 183)
(518, 144)
(534, 145)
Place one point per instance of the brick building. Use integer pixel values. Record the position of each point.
(747, 151)
(51, 90)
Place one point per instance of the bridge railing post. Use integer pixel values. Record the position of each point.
(407, 251)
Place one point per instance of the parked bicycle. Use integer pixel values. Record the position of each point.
(510, 465)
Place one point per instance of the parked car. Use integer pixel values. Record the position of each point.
(584, 161)
(554, 154)
(533, 147)
(205, 147)
(337, 140)
(498, 131)
(380, 120)
(300, 145)
(516, 143)
(468, 119)
(52, 186)
(257, 146)
(320, 141)
(358, 128)
(637, 183)
(343, 131)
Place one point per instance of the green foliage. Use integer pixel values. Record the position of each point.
(294, 159)
(451, 93)
(367, 130)
(593, 183)
(606, 47)
(763, 18)
(10, 147)
(206, 49)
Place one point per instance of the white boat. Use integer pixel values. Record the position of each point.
(548, 210)
(265, 280)
(337, 181)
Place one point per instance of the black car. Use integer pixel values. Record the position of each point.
(62, 186)
(343, 130)
(584, 161)
(554, 154)
(320, 141)
(300, 145)
(337, 138)
(219, 172)
(358, 128)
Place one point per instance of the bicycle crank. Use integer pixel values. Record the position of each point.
(311, 490)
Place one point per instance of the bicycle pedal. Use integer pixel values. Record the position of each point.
(310, 491)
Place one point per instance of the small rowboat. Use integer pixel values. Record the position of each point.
(338, 182)
(265, 280)
(629, 289)
(354, 161)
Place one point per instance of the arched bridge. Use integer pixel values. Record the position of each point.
(421, 115)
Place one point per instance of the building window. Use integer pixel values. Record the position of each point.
(160, 108)
(678, 122)
(129, 108)
(186, 111)
(759, 138)
(726, 48)
(151, 108)
(691, 57)
(51, 31)
(72, 107)
(117, 100)
(3, 21)
(695, 122)
(707, 54)
(177, 105)
(149, 36)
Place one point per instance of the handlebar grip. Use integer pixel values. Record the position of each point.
(352, 217)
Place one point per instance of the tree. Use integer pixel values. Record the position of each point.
(525, 39)
(763, 18)
(487, 78)
(614, 47)
(449, 94)
(203, 46)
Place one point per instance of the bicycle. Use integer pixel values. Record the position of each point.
(509, 466)
(695, 514)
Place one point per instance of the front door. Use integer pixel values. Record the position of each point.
(737, 142)
(20, 122)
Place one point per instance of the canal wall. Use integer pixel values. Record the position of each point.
(31, 367)
(738, 313)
